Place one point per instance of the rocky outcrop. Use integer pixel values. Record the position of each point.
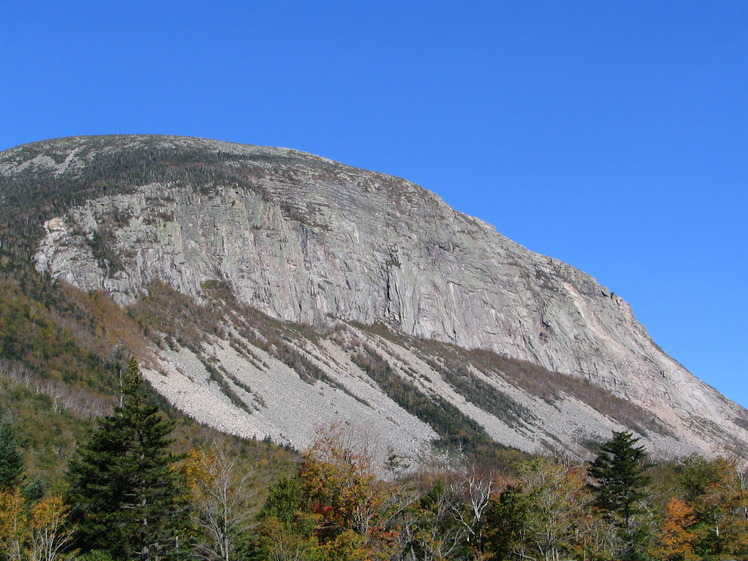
(311, 241)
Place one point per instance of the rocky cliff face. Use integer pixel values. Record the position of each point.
(310, 241)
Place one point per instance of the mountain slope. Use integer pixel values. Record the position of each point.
(308, 241)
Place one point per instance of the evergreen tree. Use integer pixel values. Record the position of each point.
(507, 519)
(126, 497)
(11, 459)
(618, 471)
(285, 530)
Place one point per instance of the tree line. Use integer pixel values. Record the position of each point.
(128, 495)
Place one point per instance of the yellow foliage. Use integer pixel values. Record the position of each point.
(38, 533)
(197, 472)
(14, 528)
(347, 546)
(48, 533)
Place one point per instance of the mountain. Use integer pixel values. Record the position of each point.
(268, 292)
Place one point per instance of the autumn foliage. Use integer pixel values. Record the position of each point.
(675, 535)
(344, 502)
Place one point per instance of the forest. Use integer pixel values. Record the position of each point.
(128, 492)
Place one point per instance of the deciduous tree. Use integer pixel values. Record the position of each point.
(49, 534)
(341, 486)
(13, 525)
(473, 490)
(675, 539)
(222, 496)
(541, 517)
(437, 534)
(714, 490)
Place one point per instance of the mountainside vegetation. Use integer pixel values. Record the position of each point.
(128, 494)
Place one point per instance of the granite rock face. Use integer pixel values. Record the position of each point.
(307, 240)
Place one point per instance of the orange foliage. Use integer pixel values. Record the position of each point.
(675, 539)
(344, 494)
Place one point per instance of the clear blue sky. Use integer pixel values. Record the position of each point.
(611, 135)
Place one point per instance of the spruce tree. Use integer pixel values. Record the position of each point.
(618, 471)
(11, 459)
(126, 498)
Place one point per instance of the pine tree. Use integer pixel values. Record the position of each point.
(11, 459)
(618, 471)
(126, 497)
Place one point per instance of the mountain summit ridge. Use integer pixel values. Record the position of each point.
(310, 241)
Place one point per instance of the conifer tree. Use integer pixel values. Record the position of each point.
(11, 459)
(618, 471)
(126, 497)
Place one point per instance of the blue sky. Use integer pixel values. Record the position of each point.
(611, 135)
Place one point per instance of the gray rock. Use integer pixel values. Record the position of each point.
(311, 241)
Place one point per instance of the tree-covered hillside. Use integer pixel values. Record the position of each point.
(128, 494)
